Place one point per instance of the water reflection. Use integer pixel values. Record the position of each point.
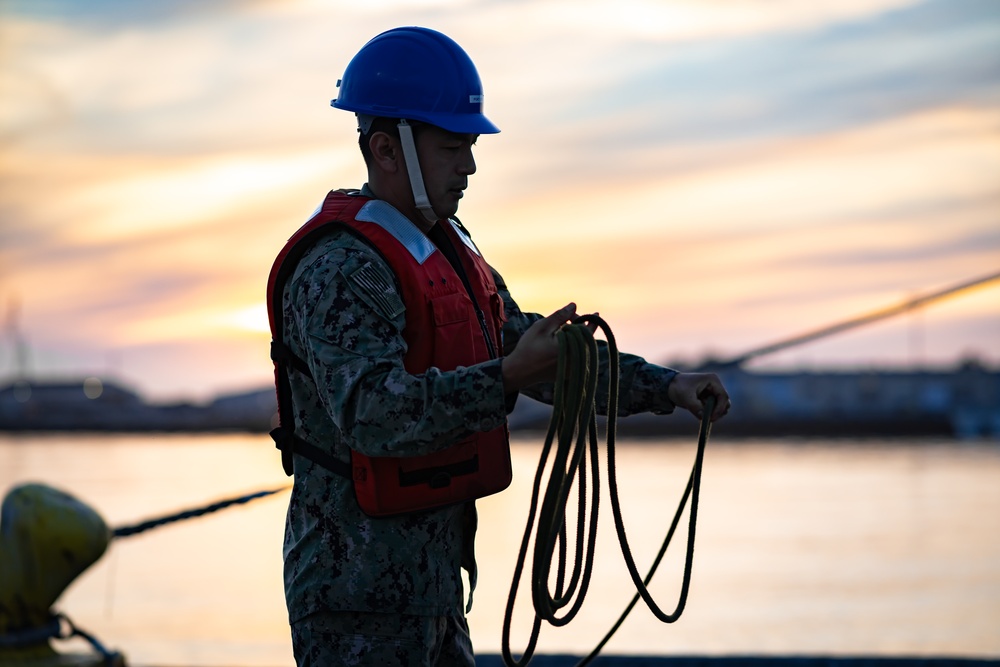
(803, 547)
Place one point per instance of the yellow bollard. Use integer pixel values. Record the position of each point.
(47, 539)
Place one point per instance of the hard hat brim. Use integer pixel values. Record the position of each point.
(459, 123)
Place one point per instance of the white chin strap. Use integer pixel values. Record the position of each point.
(413, 169)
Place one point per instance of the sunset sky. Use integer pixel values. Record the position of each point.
(710, 175)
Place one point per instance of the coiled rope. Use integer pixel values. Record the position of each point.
(149, 524)
(573, 429)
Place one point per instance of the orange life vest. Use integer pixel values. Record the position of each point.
(450, 322)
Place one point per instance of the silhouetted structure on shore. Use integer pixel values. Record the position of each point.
(96, 405)
(961, 402)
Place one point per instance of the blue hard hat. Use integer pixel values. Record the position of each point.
(417, 74)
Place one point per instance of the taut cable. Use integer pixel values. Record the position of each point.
(149, 524)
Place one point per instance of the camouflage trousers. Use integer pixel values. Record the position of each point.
(356, 639)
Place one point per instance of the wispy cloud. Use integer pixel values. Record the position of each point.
(703, 172)
(787, 81)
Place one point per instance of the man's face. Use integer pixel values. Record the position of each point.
(446, 162)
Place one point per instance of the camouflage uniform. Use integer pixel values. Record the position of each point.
(343, 314)
(349, 639)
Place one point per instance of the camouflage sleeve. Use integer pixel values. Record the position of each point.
(643, 386)
(347, 320)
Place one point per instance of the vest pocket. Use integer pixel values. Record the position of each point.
(453, 330)
(456, 461)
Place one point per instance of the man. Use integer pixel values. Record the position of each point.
(394, 340)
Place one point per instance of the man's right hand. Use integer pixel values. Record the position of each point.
(536, 354)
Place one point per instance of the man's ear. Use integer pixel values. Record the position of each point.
(385, 151)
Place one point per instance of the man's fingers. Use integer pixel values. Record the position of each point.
(721, 409)
(722, 403)
(690, 391)
(554, 321)
(562, 315)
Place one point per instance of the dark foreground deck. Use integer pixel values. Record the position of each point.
(747, 661)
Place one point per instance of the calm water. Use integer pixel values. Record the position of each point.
(875, 547)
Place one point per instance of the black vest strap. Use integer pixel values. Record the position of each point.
(288, 443)
(282, 354)
(284, 359)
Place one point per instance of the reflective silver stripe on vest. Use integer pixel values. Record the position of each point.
(388, 218)
(316, 212)
(466, 239)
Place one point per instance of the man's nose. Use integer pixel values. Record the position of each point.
(468, 165)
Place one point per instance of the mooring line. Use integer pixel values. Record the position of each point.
(149, 524)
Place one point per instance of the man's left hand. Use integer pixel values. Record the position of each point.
(689, 391)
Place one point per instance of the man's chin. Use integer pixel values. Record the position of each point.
(445, 212)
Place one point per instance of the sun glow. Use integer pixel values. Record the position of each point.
(189, 194)
(704, 173)
(252, 318)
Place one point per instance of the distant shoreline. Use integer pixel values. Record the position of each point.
(963, 403)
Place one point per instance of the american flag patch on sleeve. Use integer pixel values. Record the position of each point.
(372, 286)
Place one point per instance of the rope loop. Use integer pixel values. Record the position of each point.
(570, 450)
(58, 626)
